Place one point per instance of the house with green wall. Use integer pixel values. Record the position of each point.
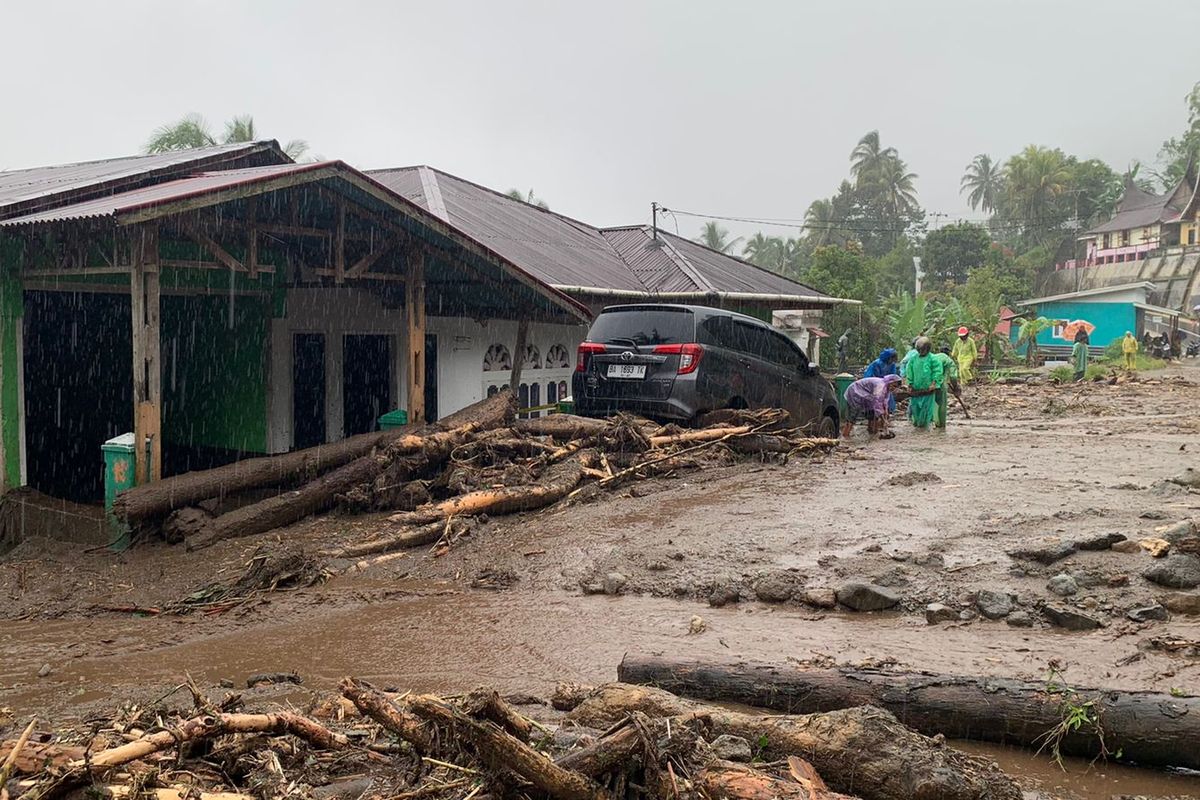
(1113, 310)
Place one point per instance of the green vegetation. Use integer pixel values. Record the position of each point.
(1078, 716)
(528, 197)
(192, 131)
(1066, 373)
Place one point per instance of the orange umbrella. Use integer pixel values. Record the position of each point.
(1071, 329)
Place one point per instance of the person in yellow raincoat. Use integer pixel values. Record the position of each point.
(1129, 346)
(964, 354)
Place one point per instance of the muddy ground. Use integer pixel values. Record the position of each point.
(519, 603)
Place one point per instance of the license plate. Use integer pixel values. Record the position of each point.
(633, 371)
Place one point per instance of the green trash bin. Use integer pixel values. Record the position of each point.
(393, 419)
(566, 406)
(119, 474)
(841, 382)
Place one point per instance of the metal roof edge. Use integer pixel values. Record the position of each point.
(1120, 287)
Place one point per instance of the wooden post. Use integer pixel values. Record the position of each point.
(147, 368)
(252, 234)
(339, 243)
(514, 380)
(414, 310)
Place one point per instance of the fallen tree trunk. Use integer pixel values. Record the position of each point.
(728, 781)
(558, 481)
(155, 500)
(564, 427)
(862, 751)
(379, 707)
(1144, 727)
(702, 435)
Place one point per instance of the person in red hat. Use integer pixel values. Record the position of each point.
(964, 354)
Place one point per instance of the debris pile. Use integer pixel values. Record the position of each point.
(617, 741)
(480, 461)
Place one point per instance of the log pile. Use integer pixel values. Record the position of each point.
(619, 742)
(479, 461)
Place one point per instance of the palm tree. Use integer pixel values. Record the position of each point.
(760, 249)
(1028, 333)
(1035, 178)
(894, 187)
(528, 197)
(192, 131)
(714, 237)
(984, 181)
(867, 158)
(820, 220)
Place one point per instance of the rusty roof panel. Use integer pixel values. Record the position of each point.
(181, 188)
(25, 190)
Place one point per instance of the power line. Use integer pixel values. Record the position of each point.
(881, 226)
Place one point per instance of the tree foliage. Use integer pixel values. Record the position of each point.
(192, 131)
(951, 252)
(528, 197)
(714, 237)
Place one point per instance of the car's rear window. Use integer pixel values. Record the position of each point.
(642, 326)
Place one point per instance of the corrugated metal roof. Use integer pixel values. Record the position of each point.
(23, 190)
(551, 247)
(566, 252)
(1139, 208)
(170, 191)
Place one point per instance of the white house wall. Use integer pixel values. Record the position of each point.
(461, 346)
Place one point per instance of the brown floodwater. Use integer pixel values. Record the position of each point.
(440, 638)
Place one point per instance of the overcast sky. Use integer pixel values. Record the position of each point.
(734, 108)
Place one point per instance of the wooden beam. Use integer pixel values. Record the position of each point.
(204, 240)
(147, 367)
(366, 276)
(414, 312)
(252, 235)
(57, 273)
(339, 242)
(519, 356)
(364, 264)
(183, 263)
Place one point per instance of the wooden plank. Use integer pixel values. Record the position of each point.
(364, 264)
(414, 312)
(137, 304)
(153, 424)
(204, 240)
(339, 243)
(252, 235)
(182, 263)
(519, 356)
(375, 276)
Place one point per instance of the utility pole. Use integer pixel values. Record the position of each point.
(917, 274)
(654, 220)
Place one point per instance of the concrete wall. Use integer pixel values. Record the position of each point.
(1111, 319)
(462, 344)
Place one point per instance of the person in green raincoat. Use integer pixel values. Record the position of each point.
(948, 385)
(1079, 355)
(923, 375)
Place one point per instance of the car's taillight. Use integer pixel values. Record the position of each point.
(689, 355)
(585, 351)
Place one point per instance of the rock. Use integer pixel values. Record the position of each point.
(1148, 613)
(935, 560)
(1127, 546)
(225, 683)
(994, 605)
(1175, 572)
(731, 748)
(613, 583)
(912, 479)
(1190, 478)
(1071, 620)
(1044, 555)
(723, 595)
(820, 598)
(1152, 514)
(44, 671)
(1181, 602)
(776, 587)
(591, 587)
(893, 579)
(1090, 603)
(1180, 530)
(1117, 581)
(657, 565)
(867, 597)
(1020, 619)
(697, 625)
(966, 615)
(1157, 548)
(1102, 541)
(940, 612)
(1063, 585)
(681, 589)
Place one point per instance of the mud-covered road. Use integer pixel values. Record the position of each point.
(932, 517)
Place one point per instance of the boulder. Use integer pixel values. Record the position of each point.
(1063, 585)
(1175, 572)
(731, 748)
(820, 597)
(1149, 613)
(613, 583)
(940, 612)
(994, 605)
(1020, 619)
(867, 597)
(1183, 529)
(1190, 478)
(777, 587)
(1046, 554)
(1071, 620)
(723, 595)
(1101, 541)
(1181, 602)
(1127, 546)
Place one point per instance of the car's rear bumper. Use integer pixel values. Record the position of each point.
(677, 406)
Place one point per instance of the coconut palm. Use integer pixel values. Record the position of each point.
(984, 182)
(819, 222)
(192, 131)
(894, 187)
(1035, 178)
(760, 249)
(867, 158)
(528, 197)
(1027, 335)
(714, 237)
